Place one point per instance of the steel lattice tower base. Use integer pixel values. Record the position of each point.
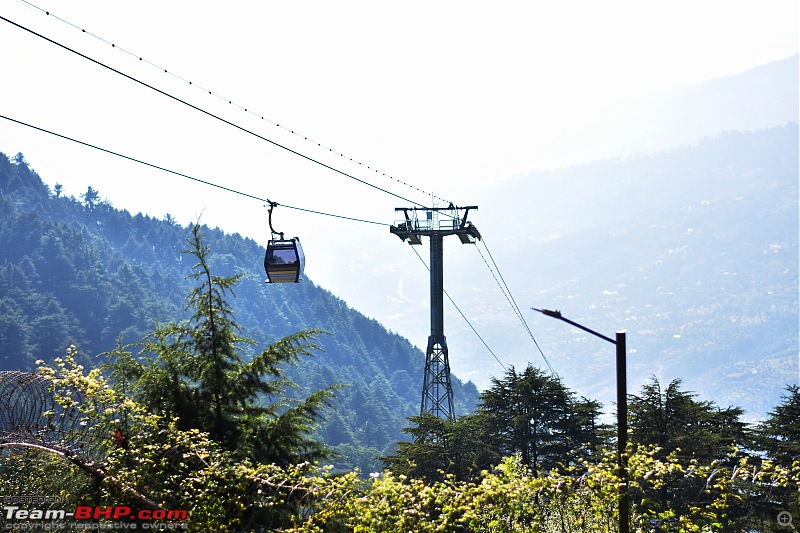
(437, 392)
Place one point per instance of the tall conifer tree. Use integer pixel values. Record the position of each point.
(779, 435)
(673, 420)
(535, 415)
(199, 371)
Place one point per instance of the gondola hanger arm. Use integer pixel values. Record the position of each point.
(273, 205)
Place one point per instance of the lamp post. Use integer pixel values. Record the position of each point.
(622, 413)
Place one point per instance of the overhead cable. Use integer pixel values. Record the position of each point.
(208, 113)
(248, 110)
(512, 302)
(246, 195)
(182, 175)
(261, 137)
(462, 314)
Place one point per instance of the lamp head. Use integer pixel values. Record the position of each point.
(548, 312)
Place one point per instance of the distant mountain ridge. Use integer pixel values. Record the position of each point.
(694, 251)
(651, 150)
(689, 210)
(84, 272)
(759, 98)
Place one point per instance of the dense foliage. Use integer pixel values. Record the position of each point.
(693, 466)
(195, 415)
(78, 271)
(163, 466)
(673, 420)
(528, 413)
(198, 376)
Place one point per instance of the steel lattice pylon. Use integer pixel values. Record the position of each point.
(437, 391)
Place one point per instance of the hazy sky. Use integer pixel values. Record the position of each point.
(447, 96)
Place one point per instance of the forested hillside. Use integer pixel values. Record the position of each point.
(195, 428)
(79, 271)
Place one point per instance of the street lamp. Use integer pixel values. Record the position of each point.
(622, 413)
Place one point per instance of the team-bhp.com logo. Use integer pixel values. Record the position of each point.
(120, 512)
(117, 515)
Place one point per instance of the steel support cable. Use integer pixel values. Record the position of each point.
(234, 191)
(208, 113)
(182, 175)
(229, 101)
(512, 302)
(516, 308)
(462, 314)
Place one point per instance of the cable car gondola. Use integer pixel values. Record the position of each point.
(284, 260)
